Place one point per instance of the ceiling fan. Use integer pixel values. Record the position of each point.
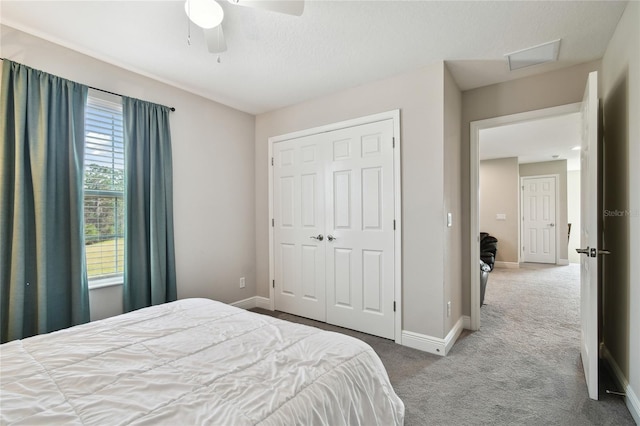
(208, 14)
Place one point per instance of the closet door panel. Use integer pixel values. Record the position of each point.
(360, 222)
(298, 200)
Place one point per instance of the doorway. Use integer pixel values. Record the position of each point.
(475, 129)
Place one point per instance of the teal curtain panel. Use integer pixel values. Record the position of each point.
(43, 277)
(149, 271)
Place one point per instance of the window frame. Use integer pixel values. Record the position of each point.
(116, 278)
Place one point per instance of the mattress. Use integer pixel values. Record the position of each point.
(194, 362)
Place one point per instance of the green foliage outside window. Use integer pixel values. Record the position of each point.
(104, 189)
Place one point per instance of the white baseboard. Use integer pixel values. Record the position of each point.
(633, 404)
(263, 302)
(453, 335)
(563, 262)
(466, 322)
(431, 344)
(248, 303)
(253, 302)
(631, 398)
(506, 265)
(423, 342)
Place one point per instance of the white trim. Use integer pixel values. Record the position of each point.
(431, 344)
(253, 302)
(563, 262)
(466, 322)
(631, 399)
(397, 212)
(506, 265)
(633, 403)
(474, 223)
(453, 335)
(474, 165)
(423, 342)
(263, 302)
(388, 115)
(272, 270)
(248, 303)
(106, 282)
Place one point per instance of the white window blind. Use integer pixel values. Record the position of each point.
(104, 186)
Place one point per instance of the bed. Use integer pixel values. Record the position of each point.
(194, 362)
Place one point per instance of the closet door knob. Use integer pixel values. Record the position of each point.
(331, 237)
(319, 237)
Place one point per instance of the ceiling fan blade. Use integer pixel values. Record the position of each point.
(289, 7)
(215, 39)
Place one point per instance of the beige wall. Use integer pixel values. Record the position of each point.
(620, 84)
(420, 97)
(499, 195)
(558, 167)
(452, 203)
(573, 214)
(546, 90)
(213, 173)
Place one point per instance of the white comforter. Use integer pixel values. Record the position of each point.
(194, 362)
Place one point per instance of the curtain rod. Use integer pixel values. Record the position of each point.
(113, 93)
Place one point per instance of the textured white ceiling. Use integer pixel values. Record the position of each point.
(276, 60)
(533, 141)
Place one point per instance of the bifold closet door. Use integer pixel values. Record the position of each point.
(299, 221)
(333, 204)
(359, 227)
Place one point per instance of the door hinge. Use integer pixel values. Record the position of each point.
(273, 283)
(272, 161)
(393, 142)
(394, 306)
(394, 224)
(273, 223)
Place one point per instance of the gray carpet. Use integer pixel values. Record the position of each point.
(523, 367)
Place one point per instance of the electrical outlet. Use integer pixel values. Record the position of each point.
(242, 282)
(448, 309)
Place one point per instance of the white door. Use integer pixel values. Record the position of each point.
(589, 235)
(333, 205)
(360, 222)
(299, 206)
(539, 219)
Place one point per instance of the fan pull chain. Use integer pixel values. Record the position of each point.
(189, 23)
(218, 60)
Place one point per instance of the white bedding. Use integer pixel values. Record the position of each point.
(194, 362)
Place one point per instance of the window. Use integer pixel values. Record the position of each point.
(104, 203)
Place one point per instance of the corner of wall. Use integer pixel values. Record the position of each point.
(452, 201)
(620, 83)
(631, 397)
(433, 345)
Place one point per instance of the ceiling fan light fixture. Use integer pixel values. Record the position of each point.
(204, 13)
